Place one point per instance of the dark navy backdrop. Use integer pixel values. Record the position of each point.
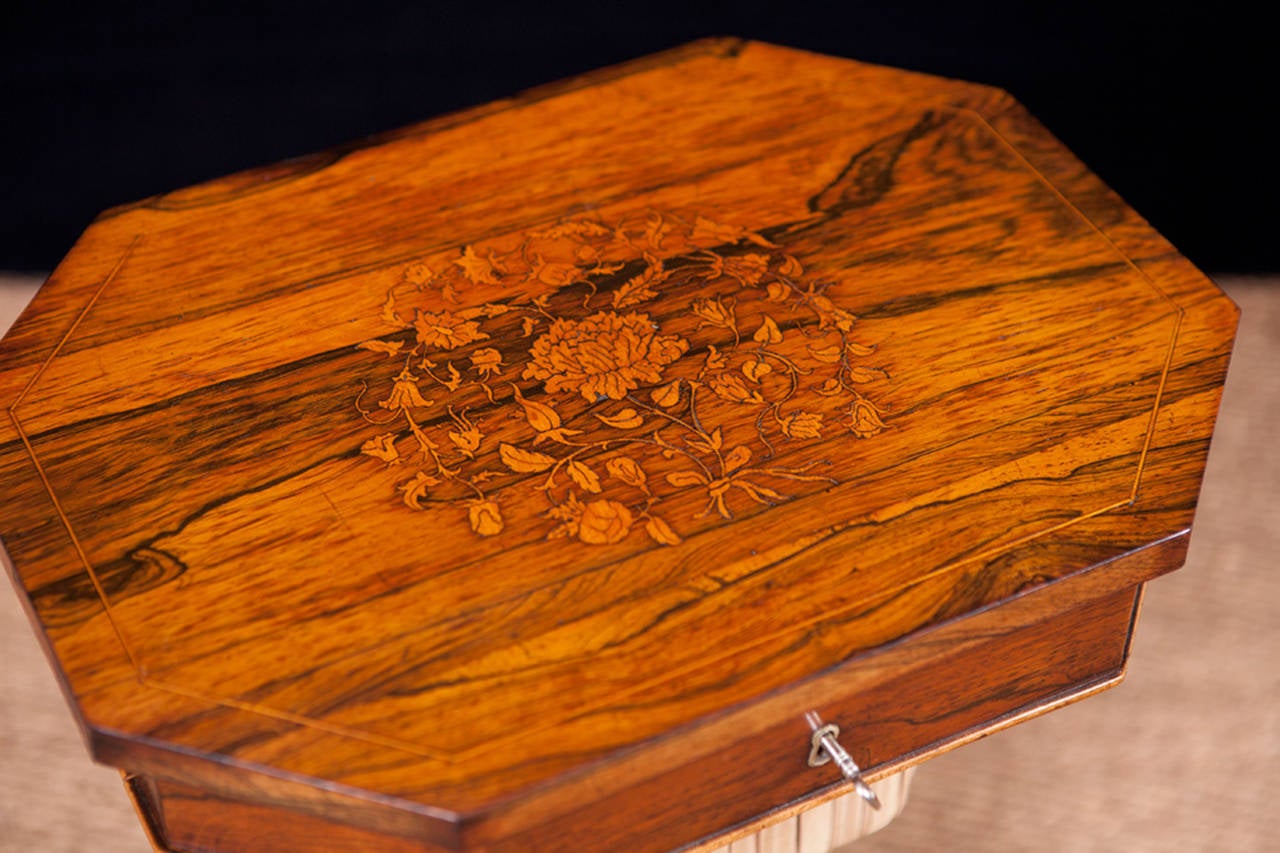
(108, 103)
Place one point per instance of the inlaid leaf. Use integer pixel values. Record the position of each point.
(640, 288)
(413, 491)
(540, 416)
(417, 273)
(526, 326)
(748, 269)
(828, 354)
(524, 461)
(715, 359)
(391, 348)
(455, 378)
(627, 470)
(729, 387)
(581, 473)
(710, 444)
(717, 312)
(625, 419)
(559, 435)
(382, 447)
(864, 374)
(791, 267)
(667, 395)
(467, 441)
(705, 230)
(777, 292)
(659, 531)
(858, 349)
(555, 274)
(389, 314)
(686, 478)
(830, 388)
(758, 493)
(768, 333)
(755, 369)
(481, 270)
(656, 229)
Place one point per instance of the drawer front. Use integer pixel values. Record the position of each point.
(901, 719)
(181, 818)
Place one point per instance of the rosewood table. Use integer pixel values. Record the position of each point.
(667, 458)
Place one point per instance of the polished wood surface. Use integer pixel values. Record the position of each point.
(478, 477)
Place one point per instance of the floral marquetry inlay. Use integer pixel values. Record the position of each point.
(633, 374)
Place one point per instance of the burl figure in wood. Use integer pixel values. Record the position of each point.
(544, 476)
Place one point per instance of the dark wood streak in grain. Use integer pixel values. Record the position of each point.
(869, 174)
(73, 599)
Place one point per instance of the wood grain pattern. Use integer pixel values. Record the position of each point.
(449, 483)
(1053, 659)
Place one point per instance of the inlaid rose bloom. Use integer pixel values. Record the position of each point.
(605, 355)
(486, 361)
(864, 419)
(446, 330)
(802, 425)
(604, 523)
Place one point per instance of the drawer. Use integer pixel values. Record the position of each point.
(904, 716)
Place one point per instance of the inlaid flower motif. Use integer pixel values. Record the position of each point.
(604, 522)
(771, 359)
(748, 269)
(864, 418)
(714, 312)
(486, 361)
(802, 425)
(730, 387)
(467, 435)
(446, 330)
(831, 315)
(405, 394)
(604, 355)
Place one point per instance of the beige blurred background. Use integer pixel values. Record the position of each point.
(1185, 755)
